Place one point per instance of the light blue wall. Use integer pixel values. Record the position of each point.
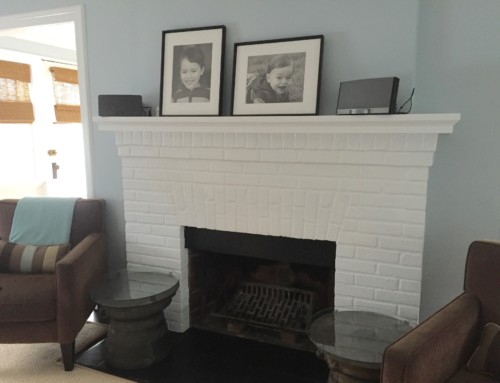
(458, 70)
(363, 38)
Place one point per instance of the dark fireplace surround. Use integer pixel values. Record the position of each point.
(257, 286)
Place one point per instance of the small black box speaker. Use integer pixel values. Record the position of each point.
(119, 105)
(369, 96)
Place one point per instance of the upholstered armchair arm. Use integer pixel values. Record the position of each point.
(75, 274)
(434, 350)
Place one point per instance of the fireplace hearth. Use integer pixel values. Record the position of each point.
(260, 287)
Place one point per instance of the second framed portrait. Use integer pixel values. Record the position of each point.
(191, 71)
(277, 77)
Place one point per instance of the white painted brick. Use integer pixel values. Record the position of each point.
(409, 312)
(383, 228)
(229, 140)
(124, 151)
(151, 240)
(368, 141)
(187, 139)
(208, 139)
(289, 141)
(414, 142)
(414, 231)
(400, 272)
(226, 166)
(398, 142)
(430, 142)
(197, 139)
(318, 183)
(405, 187)
(403, 244)
(218, 140)
(299, 198)
(197, 165)
(361, 157)
(408, 158)
(298, 222)
(137, 138)
(353, 238)
(252, 140)
(410, 286)
(360, 185)
(276, 141)
(173, 243)
(417, 174)
(129, 195)
(167, 231)
(344, 277)
(264, 140)
(313, 141)
(343, 301)
(408, 259)
(261, 168)
(354, 141)
(300, 141)
(386, 214)
(279, 155)
(169, 152)
(132, 206)
(333, 232)
(275, 181)
(314, 156)
(241, 155)
(138, 228)
(145, 151)
(296, 169)
(378, 255)
(354, 291)
(240, 141)
(325, 141)
(398, 297)
(355, 265)
(177, 138)
(241, 179)
(208, 153)
(339, 141)
(376, 282)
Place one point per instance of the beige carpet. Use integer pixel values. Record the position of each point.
(41, 363)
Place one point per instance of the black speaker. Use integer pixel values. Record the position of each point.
(119, 105)
(369, 96)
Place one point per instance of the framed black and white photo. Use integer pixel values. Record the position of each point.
(277, 77)
(191, 71)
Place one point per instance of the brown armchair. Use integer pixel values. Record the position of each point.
(42, 308)
(437, 350)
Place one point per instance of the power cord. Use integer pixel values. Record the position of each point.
(410, 100)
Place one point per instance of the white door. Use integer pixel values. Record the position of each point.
(45, 158)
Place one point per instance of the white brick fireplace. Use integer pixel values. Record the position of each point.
(360, 181)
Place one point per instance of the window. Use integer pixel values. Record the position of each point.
(15, 102)
(66, 94)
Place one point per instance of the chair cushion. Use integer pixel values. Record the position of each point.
(16, 258)
(465, 376)
(486, 358)
(27, 297)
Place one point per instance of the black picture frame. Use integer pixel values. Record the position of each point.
(277, 77)
(191, 71)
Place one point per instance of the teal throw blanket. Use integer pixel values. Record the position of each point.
(42, 221)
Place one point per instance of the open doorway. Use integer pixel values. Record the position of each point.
(46, 157)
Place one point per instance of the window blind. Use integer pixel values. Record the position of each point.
(15, 101)
(67, 94)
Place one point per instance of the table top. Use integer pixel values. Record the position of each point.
(123, 288)
(357, 338)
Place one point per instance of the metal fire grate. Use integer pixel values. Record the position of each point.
(270, 306)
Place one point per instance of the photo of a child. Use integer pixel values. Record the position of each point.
(275, 78)
(191, 73)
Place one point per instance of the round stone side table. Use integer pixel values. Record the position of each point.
(353, 342)
(134, 302)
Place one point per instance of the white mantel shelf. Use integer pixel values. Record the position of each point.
(401, 123)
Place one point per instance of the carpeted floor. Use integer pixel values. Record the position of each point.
(41, 363)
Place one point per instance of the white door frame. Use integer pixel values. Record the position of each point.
(77, 16)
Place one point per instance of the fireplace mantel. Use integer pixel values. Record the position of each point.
(400, 123)
(360, 181)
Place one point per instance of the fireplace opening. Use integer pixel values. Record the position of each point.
(259, 287)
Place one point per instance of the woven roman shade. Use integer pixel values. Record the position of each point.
(15, 101)
(67, 94)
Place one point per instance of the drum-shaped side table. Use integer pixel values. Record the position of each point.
(353, 342)
(134, 303)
